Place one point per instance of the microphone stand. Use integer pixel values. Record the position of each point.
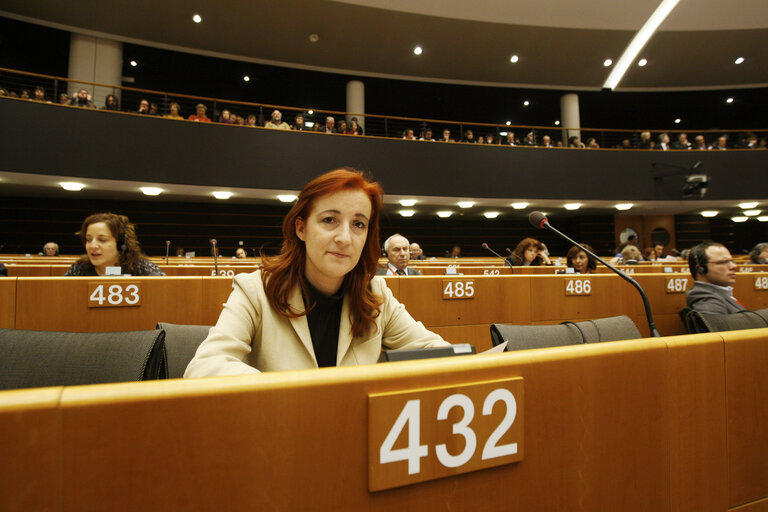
(215, 257)
(652, 326)
(167, 248)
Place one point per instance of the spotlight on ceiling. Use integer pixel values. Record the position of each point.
(519, 206)
(134, 63)
(491, 215)
(751, 213)
(417, 50)
(607, 62)
(221, 194)
(739, 219)
(466, 204)
(729, 100)
(407, 202)
(748, 206)
(642, 62)
(72, 186)
(197, 18)
(572, 206)
(624, 206)
(709, 213)
(407, 213)
(513, 59)
(444, 214)
(151, 191)
(287, 198)
(739, 60)
(246, 78)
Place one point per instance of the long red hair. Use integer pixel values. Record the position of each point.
(282, 272)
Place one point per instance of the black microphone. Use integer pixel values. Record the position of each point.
(167, 248)
(215, 256)
(506, 260)
(540, 221)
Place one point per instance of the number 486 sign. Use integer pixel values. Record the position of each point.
(422, 435)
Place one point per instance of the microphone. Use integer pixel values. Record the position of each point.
(167, 248)
(540, 221)
(215, 256)
(506, 260)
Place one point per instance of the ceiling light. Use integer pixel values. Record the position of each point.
(246, 78)
(310, 112)
(751, 213)
(287, 198)
(407, 213)
(637, 43)
(508, 123)
(407, 202)
(642, 62)
(514, 59)
(72, 186)
(134, 63)
(151, 191)
(197, 18)
(557, 123)
(572, 206)
(491, 215)
(763, 218)
(709, 213)
(313, 38)
(417, 50)
(222, 194)
(729, 100)
(739, 219)
(526, 103)
(624, 206)
(466, 204)
(444, 214)
(739, 60)
(503, 134)
(748, 206)
(607, 62)
(519, 206)
(677, 120)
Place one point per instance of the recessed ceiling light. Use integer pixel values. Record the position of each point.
(503, 134)
(763, 218)
(526, 103)
(624, 206)
(491, 215)
(197, 18)
(310, 112)
(72, 186)
(642, 62)
(709, 213)
(466, 204)
(607, 62)
(748, 206)
(134, 63)
(739, 60)
(509, 123)
(572, 206)
(407, 213)
(407, 202)
(246, 78)
(151, 191)
(417, 50)
(677, 120)
(514, 59)
(751, 213)
(287, 198)
(519, 206)
(222, 194)
(444, 214)
(739, 219)
(313, 38)
(557, 123)
(729, 100)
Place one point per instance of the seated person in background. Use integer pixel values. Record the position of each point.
(530, 139)
(529, 252)
(226, 117)
(490, 138)
(427, 135)
(298, 122)
(645, 141)
(276, 122)
(110, 241)
(626, 144)
(111, 103)
(199, 115)
(154, 110)
(357, 124)
(251, 121)
(408, 134)
(546, 141)
(51, 249)
(353, 128)
(511, 139)
(63, 99)
(699, 143)
(714, 274)
(592, 143)
(329, 126)
(240, 253)
(759, 254)
(681, 142)
(143, 108)
(81, 99)
(446, 136)
(580, 261)
(575, 142)
(469, 137)
(398, 252)
(39, 94)
(416, 252)
(174, 111)
(631, 255)
(455, 252)
(659, 255)
(663, 143)
(721, 144)
(317, 303)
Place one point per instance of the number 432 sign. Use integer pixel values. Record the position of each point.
(421, 435)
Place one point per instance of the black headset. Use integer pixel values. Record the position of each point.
(698, 266)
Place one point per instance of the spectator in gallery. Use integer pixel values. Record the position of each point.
(546, 141)
(699, 143)
(143, 108)
(353, 128)
(174, 112)
(575, 142)
(240, 253)
(721, 144)
(239, 120)
(408, 134)
(111, 103)
(298, 123)
(226, 117)
(199, 115)
(592, 143)
(398, 252)
(511, 139)
(154, 110)
(580, 261)
(341, 126)
(329, 126)
(469, 137)
(490, 138)
(39, 94)
(251, 121)
(446, 136)
(416, 252)
(663, 144)
(81, 99)
(110, 241)
(682, 142)
(276, 121)
(455, 252)
(51, 249)
(357, 124)
(24, 94)
(317, 303)
(63, 99)
(626, 144)
(427, 135)
(645, 141)
(530, 139)
(480, 139)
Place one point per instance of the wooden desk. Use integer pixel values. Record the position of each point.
(7, 302)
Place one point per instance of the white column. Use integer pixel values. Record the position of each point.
(569, 116)
(356, 101)
(98, 60)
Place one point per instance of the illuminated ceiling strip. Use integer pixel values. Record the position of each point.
(638, 42)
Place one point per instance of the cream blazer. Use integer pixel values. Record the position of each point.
(250, 337)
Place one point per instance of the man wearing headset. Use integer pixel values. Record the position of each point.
(714, 274)
(398, 252)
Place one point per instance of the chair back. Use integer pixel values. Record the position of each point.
(181, 342)
(698, 321)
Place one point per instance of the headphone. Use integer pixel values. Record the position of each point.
(698, 266)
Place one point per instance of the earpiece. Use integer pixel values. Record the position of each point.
(700, 269)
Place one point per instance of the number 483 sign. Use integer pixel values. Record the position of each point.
(415, 436)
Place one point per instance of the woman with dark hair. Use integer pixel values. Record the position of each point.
(580, 261)
(529, 252)
(317, 303)
(111, 103)
(110, 241)
(759, 254)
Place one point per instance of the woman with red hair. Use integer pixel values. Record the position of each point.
(317, 303)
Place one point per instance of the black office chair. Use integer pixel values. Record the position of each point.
(49, 358)
(181, 342)
(698, 322)
(521, 337)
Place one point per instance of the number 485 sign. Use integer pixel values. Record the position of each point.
(422, 435)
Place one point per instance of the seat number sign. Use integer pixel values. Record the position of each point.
(421, 435)
(455, 289)
(578, 287)
(114, 294)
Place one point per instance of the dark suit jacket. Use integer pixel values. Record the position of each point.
(707, 298)
(408, 272)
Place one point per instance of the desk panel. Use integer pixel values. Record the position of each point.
(745, 291)
(7, 302)
(549, 302)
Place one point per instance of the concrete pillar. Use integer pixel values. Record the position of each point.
(570, 117)
(356, 101)
(98, 60)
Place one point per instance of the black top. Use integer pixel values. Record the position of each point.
(146, 268)
(324, 320)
